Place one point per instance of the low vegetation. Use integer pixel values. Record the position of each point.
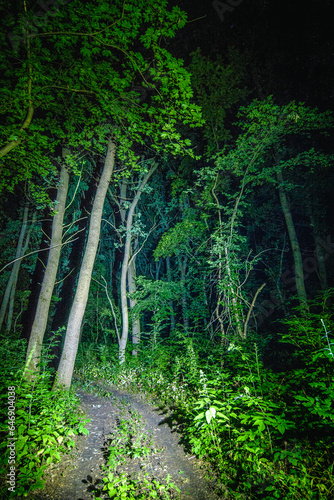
(266, 434)
(45, 422)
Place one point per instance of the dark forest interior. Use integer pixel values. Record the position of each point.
(166, 229)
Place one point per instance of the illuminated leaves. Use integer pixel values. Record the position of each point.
(83, 68)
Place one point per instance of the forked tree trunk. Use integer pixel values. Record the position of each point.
(72, 336)
(125, 265)
(297, 255)
(44, 300)
(15, 269)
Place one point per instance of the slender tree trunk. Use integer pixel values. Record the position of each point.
(44, 300)
(119, 219)
(67, 360)
(218, 311)
(125, 264)
(29, 314)
(15, 269)
(123, 199)
(66, 295)
(322, 273)
(297, 256)
(13, 289)
(135, 320)
(157, 269)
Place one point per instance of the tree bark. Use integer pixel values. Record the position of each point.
(297, 256)
(15, 269)
(125, 264)
(44, 300)
(72, 336)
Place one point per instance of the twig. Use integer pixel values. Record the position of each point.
(251, 308)
(105, 286)
(36, 251)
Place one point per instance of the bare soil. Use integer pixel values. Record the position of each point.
(78, 474)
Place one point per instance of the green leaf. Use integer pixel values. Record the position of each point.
(281, 428)
(260, 424)
(199, 416)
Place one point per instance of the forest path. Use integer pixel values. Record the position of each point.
(79, 473)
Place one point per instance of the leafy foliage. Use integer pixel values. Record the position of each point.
(45, 423)
(267, 435)
(84, 71)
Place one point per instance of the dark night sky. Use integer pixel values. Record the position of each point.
(290, 42)
(290, 45)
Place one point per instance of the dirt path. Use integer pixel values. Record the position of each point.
(76, 476)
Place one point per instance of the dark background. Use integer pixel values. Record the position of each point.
(289, 43)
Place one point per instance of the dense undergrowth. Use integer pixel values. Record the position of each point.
(39, 424)
(266, 434)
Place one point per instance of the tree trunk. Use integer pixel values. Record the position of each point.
(125, 264)
(218, 312)
(135, 320)
(44, 300)
(13, 289)
(29, 314)
(15, 269)
(67, 360)
(297, 256)
(63, 306)
(119, 214)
